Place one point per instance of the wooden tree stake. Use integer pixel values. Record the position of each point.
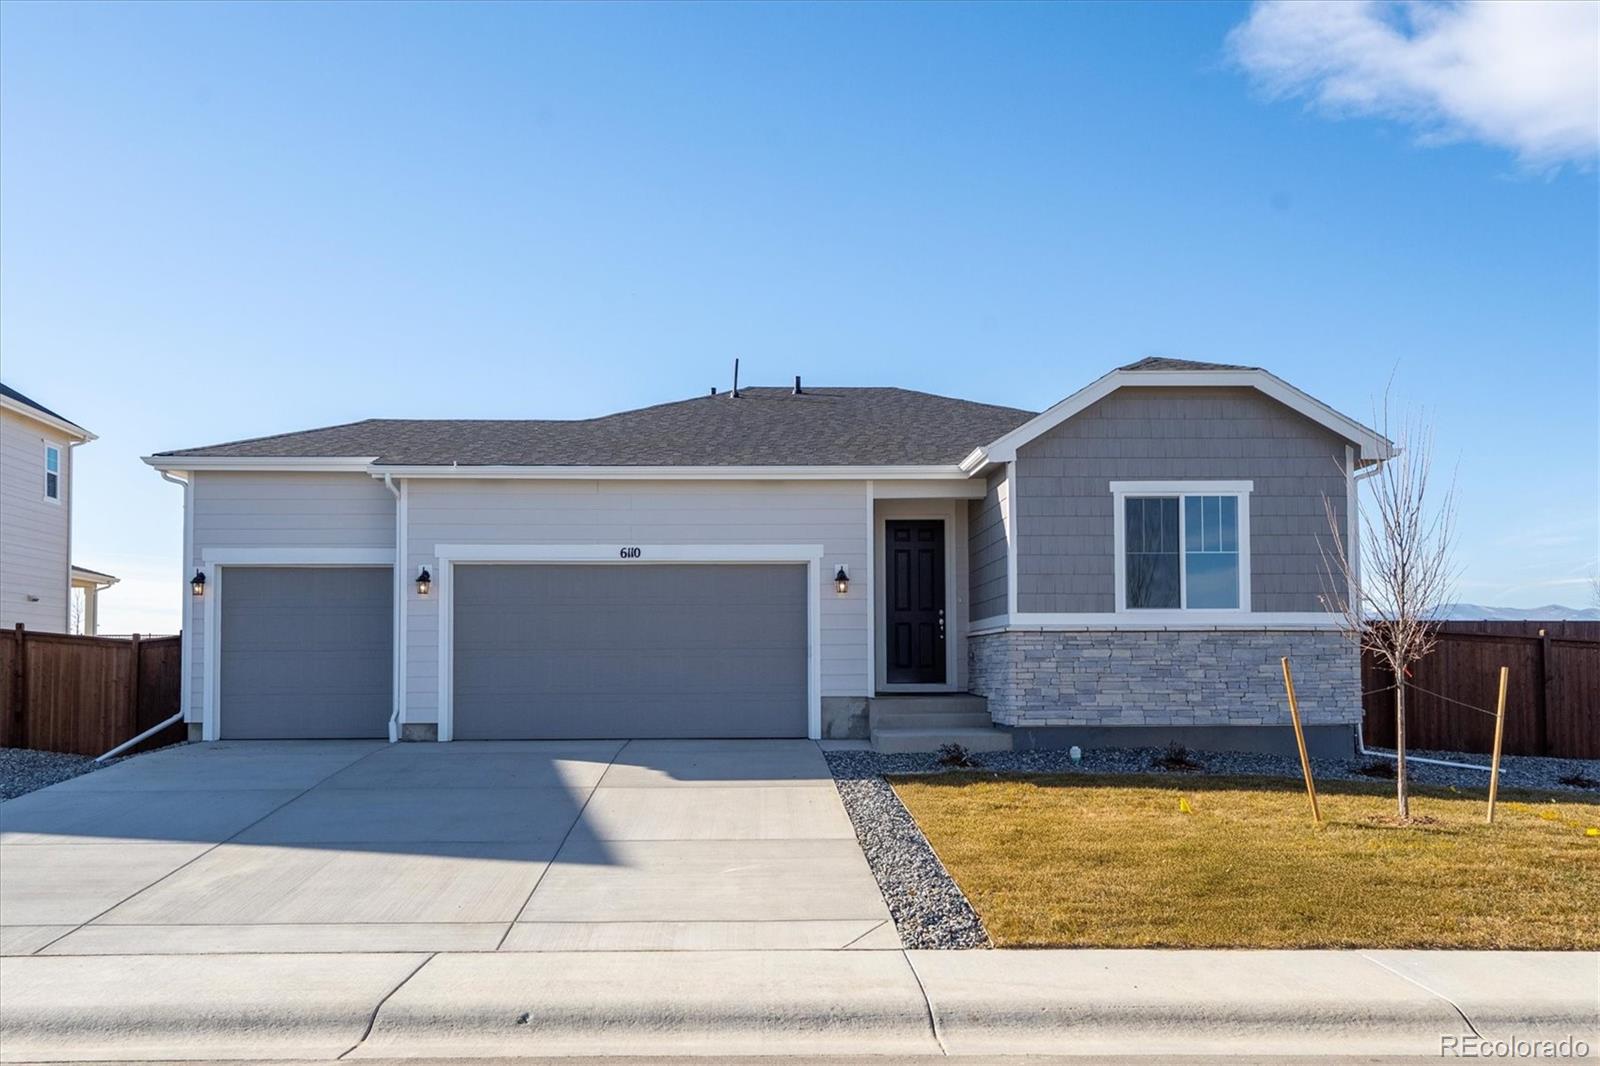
(1499, 735)
(1300, 741)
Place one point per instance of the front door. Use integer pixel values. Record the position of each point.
(915, 603)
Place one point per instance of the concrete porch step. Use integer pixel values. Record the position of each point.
(894, 741)
(882, 709)
(935, 720)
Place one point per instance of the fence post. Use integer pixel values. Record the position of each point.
(133, 685)
(19, 705)
(1541, 725)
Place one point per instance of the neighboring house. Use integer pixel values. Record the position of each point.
(36, 572)
(1127, 566)
(88, 584)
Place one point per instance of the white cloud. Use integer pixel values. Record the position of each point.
(1522, 75)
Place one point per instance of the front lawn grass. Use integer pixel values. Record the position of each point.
(1225, 862)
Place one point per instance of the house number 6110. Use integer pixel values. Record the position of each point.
(631, 553)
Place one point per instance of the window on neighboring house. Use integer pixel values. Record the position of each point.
(52, 472)
(1182, 549)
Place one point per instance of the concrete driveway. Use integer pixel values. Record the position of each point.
(336, 846)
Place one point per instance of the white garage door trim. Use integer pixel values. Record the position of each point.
(214, 561)
(449, 556)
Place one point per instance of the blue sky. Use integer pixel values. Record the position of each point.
(217, 222)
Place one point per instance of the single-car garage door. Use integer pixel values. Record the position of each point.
(649, 650)
(306, 652)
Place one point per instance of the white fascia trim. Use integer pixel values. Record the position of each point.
(450, 556)
(678, 473)
(84, 578)
(298, 556)
(1164, 621)
(274, 464)
(1373, 445)
(369, 465)
(965, 489)
(60, 425)
(975, 461)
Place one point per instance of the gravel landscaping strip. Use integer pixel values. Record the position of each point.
(23, 770)
(929, 909)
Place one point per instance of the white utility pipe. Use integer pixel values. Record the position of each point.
(146, 735)
(1361, 746)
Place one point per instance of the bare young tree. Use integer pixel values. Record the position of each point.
(1392, 591)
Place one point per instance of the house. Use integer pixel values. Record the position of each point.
(1126, 566)
(37, 577)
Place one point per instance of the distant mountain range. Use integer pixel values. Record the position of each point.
(1477, 612)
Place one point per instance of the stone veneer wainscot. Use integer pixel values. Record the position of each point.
(1035, 677)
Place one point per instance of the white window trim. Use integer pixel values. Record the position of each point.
(216, 560)
(449, 556)
(1122, 490)
(60, 472)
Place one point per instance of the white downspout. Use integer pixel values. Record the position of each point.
(1355, 559)
(1361, 746)
(398, 621)
(186, 616)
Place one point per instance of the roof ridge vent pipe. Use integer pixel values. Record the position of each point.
(797, 385)
(735, 392)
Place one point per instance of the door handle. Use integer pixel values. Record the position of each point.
(941, 621)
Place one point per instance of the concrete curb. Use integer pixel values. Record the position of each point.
(74, 1008)
(1178, 1003)
(814, 1003)
(662, 1003)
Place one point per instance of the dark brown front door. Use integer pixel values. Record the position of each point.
(915, 609)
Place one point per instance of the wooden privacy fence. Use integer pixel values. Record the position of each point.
(86, 695)
(1553, 706)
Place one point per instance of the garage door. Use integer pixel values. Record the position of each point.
(630, 651)
(306, 652)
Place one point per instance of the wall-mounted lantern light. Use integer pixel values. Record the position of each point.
(197, 584)
(841, 581)
(424, 582)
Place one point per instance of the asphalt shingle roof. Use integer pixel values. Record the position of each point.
(1157, 362)
(761, 427)
(12, 394)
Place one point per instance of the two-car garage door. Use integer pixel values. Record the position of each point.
(540, 651)
(658, 650)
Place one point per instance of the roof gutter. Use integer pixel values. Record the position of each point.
(71, 429)
(262, 463)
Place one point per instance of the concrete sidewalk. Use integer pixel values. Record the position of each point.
(811, 1003)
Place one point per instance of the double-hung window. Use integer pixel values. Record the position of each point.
(52, 472)
(1182, 546)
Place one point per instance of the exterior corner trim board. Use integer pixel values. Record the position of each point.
(450, 556)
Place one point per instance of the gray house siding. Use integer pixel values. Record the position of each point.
(832, 514)
(1065, 556)
(278, 510)
(986, 550)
